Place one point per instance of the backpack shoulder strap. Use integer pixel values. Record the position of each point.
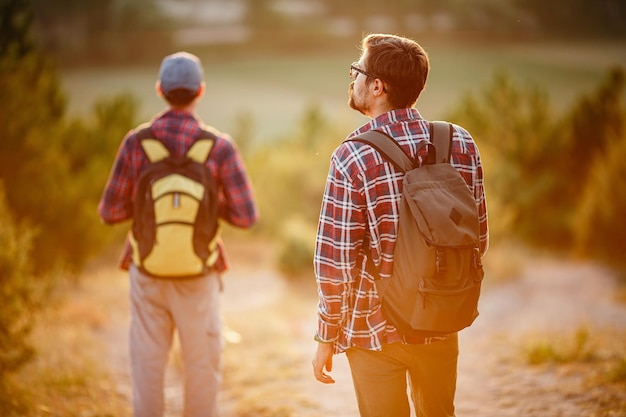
(144, 131)
(441, 137)
(156, 151)
(201, 148)
(387, 147)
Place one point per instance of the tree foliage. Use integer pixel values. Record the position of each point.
(32, 105)
(18, 299)
(579, 18)
(556, 182)
(52, 167)
(136, 31)
(599, 220)
(103, 31)
(516, 132)
(289, 176)
(51, 174)
(601, 225)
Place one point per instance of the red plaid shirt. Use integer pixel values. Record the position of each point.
(178, 130)
(361, 207)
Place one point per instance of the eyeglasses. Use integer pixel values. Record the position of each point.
(355, 68)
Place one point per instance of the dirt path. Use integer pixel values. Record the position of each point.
(550, 299)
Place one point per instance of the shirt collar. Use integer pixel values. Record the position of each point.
(391, 117)
(171, 114)
(177, 113)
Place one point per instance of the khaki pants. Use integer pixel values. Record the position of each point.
(158, 307)
(380, 378)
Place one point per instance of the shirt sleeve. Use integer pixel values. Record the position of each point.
(116, 202)
(481, 202)
(340, 234)
(237, 205)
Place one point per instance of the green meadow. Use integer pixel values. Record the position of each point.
(274, 90)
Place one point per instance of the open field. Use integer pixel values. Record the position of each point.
(274, 90)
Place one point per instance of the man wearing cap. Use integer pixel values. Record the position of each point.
(159, 306)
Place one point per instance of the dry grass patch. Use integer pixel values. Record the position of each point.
(595, 357)
(67, 377)
(264, 368)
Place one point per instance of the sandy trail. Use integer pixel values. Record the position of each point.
(549, 298)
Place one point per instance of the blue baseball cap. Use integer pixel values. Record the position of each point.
(181, 70)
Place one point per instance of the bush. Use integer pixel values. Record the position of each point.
(53, 170)
(289, 177)
(537, 165)
(291, 171)
(17, 287)
(600, 223)
(297, 246)
(90, 150)
(515, 131)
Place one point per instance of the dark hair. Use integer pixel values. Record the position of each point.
(180, 97)
(401, 63)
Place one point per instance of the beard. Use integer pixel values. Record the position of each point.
(351, 102)
(360, 107)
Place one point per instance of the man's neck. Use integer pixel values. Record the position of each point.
(187, 109)
(380, 109)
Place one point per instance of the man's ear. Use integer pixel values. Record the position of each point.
(201, 90)
(157, 87)
(378, 87)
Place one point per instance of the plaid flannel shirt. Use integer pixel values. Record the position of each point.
(178, 130)
(359, 219)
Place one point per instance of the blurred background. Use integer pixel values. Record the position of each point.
(539, 84)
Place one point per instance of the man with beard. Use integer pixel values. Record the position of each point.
(358, 225)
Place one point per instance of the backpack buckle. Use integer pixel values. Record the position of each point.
(440, 261)
(478, 264)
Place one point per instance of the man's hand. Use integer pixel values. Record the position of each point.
(323, 359)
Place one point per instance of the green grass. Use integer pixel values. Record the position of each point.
(618, 371)
(275, 89)
(562, 351)
(598, 355)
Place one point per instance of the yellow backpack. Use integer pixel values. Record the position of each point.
(175, 227)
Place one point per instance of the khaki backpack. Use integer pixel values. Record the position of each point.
(437, 270)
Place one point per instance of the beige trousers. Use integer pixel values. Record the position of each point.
(380, 378)
(158, 307)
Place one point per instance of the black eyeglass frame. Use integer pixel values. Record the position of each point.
(355, 67)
